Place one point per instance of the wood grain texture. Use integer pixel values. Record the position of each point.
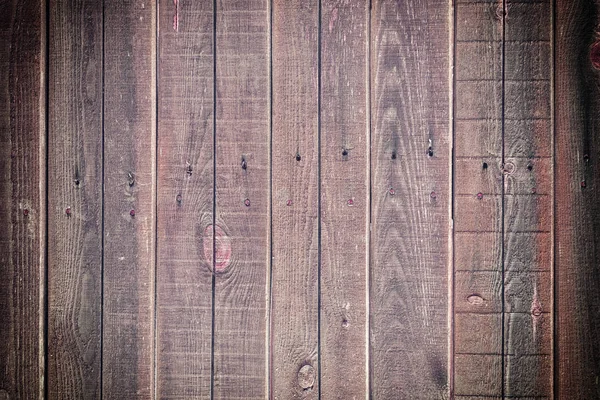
(577, 213)
(528, 188)
(242, 174)
(478, 179)
(22, 187)
(185, 199)
(295, 179)
(410, 199)
(344, 198)
(129, 184)
(75, 182)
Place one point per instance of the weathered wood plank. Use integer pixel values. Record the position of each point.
(577, 213)
(185, 199)
(129, 198)
(410, 199)
(295, 186)
(242, 199)
(344, 198)
(528, 201)
(22, 197)
(75, 199)
(478, 183)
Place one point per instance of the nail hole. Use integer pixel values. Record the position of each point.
(392, 191)
(189, 170)
(345, 323)
(298, 158)
(485, 165)
(131, 179)
(583, 184)
(25, 212)
(344, 152)
(247, 202)
(533, 190)
(350, 202)
(586, 158)
(77, 182)
(433, 195)
(68, 211)
(536, 311)
(479, 195)
(289, 203)
(529, 167)
(178, 198)
(430, 152)
(244, 163)
(394, 155)
(132, 213)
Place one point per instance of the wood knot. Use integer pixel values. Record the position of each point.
(222, 248)
(475, 299)
(306, 377)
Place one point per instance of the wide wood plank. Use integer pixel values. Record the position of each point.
(577, 215)
(410, 199)
(129, 193)
(344, 199)
(528, 188)
(22, 198)
(185, 200)
(478, 179)
(75, 204)
(242, 223)
(295, 185)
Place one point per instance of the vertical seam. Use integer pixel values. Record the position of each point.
(319, 84)
(503, 61)
(214, 203)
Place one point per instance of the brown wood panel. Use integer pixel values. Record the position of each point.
(410, 199)
(242, 199)
(528, 201)
(344, 199)
(75, 208)
(577, 213)
(22, 197)
(295, 198)
(185, 200)
(478, 180)
(129, 198)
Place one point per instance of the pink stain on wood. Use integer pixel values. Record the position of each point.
(176, 16)
(333, 18)
(222, 248)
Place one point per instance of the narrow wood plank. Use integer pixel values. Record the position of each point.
(478, 183)
(577, 218)
(410, 199)
(528, 188)
(129, 193)
(75, 185)
(22, 197)
(295, 369)
(344, 199)
(185, 200)
(242, 199)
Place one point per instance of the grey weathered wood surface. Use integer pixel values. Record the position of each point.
(22, 197)
(75, 160)
(185, 200)
(411, 195)
(344, 180)
(279, 199)
(129, 199)
(577, 218)
(242, 223)
(295, 201)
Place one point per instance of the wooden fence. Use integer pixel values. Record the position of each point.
(337, 199)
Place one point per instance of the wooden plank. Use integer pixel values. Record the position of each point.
(185, 200)
(75, 185)
(129, 190)
(577, 218)
(242, 175)
(295, 188)
(478, 181)
(410, 199)
(344, 199)
(22, 197)
(528, 188)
